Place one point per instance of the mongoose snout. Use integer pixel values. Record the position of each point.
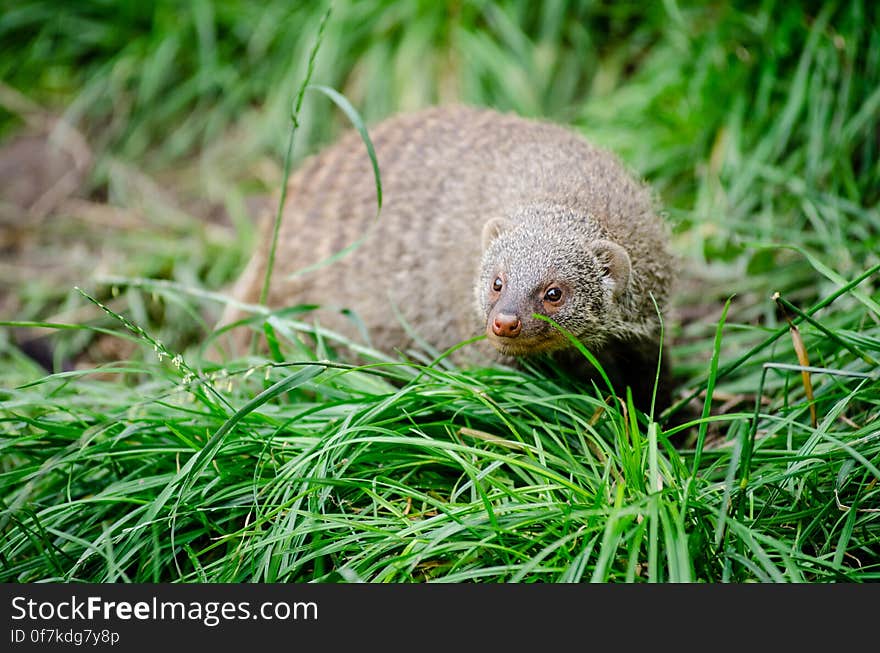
(506, 325)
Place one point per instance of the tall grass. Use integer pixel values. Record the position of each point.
(757, 127)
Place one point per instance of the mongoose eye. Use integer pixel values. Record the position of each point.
(498, 284)
(553, 295)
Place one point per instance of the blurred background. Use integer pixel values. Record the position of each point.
(142, 139)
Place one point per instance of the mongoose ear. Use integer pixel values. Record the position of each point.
(614, 263)
(493, 228)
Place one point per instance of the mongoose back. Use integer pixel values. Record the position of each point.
(487, 219)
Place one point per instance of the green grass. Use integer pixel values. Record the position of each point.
(757, 127)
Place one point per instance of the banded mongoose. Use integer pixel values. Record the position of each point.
(487, 219)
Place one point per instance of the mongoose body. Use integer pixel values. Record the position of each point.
(487, 219)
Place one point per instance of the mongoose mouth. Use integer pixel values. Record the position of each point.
(526, 345)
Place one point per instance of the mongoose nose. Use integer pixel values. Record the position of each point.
(506, 326)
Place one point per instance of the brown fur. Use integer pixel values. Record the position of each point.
(562, 208)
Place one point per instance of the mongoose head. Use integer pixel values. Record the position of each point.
(560, 268)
